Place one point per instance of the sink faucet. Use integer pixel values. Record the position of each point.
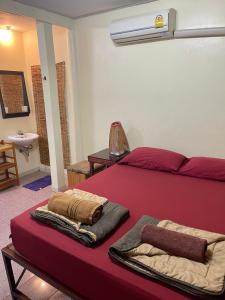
(20, 132)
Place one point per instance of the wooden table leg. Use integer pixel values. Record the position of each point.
(91, 168)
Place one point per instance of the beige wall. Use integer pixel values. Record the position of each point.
(13, 59)
(31, 46)
(167, 94)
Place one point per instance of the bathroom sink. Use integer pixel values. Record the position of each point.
(24, 140)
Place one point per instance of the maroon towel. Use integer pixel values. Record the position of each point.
(175, 243)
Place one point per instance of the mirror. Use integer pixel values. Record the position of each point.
(13, 95)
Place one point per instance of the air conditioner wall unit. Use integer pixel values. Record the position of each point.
(155, 26)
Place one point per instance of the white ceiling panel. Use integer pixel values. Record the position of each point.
(79, 8)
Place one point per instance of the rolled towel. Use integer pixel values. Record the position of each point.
(84, 211)
(175, 243)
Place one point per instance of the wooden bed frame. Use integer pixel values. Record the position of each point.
(10, 254)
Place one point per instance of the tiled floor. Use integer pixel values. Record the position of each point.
(13, 201)
(37, 289)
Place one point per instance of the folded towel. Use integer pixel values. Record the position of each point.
(175, 243)
(205, 280)
(113, 215)
(84, 211)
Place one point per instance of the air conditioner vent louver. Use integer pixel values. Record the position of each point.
(159, 25)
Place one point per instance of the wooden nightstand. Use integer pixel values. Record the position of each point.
(104, 158)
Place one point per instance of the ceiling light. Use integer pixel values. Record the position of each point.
(6, 36)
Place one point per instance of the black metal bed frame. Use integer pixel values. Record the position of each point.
(10, 254)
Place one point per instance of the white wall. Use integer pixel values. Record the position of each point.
(60, 36)
(13, 59)
(64, 52)
(167, 94)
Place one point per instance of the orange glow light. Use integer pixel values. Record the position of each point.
(43, 284)
(5, 36)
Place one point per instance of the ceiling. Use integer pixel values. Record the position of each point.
(18, 23)
(79, 8)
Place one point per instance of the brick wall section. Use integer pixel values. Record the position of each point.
(60, 70)
(12, 92)
(41, 117)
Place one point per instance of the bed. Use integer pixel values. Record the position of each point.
(89, 272)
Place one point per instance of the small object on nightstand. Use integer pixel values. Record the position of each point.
(79, 172)
(104, 158)
(118, 143)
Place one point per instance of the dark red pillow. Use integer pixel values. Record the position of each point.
(154, 159)
(204, 167)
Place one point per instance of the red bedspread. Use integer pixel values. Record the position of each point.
(90, 272)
